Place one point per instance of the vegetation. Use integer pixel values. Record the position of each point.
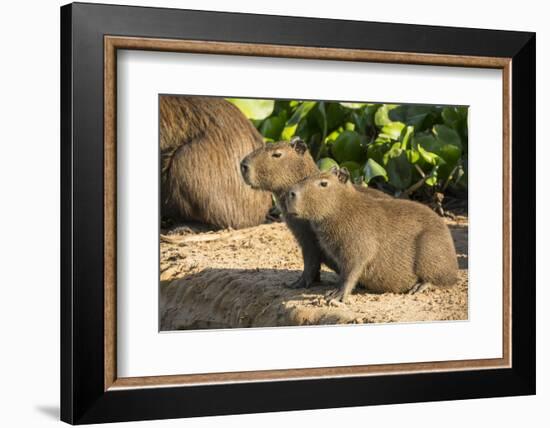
(405, 149)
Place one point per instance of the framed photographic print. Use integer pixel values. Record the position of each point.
(266, 213)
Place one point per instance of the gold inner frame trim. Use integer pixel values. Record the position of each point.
(113, 43)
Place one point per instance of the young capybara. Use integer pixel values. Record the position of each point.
(276, 167)
(202, 141)
(386, 245)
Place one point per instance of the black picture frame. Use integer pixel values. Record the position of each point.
(83, 398)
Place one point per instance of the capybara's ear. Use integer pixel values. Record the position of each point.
(343, 175)
(334, 170)
(299, 145)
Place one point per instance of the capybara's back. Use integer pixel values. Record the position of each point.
(202, 141)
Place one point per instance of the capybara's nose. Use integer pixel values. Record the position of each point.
(291, 195)
(244, 167)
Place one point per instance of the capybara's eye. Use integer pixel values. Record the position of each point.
(276, 154)
(323, 183)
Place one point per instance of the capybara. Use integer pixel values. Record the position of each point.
(386, 245)
(202, 141)
(276, 167)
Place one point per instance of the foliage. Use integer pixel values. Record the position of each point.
(401, 147)
(253, 108)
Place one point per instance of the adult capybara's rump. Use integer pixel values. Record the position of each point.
(202, 141)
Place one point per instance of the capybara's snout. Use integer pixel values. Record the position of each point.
(292, 201)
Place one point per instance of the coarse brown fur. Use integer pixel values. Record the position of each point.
(202, 141)
(387, 245)
(277, 167)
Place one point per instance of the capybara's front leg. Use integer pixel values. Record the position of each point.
(311, 252)
(348, 280)
(312, 265)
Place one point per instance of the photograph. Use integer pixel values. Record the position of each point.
(292, 212)
(265, 211)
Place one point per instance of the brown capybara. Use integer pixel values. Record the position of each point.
(386, 245)
(202, 141)
(277, 167)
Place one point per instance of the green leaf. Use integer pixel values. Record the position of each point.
(320, 116)
(407, 137)
(433, 176)
(348, 147)
(253, 109)
(399, 169)
(429, 157)
(450, 153)
(325, 164)
(336, 115)
(457, 119)
(412, 155)
(382, 139)
(281, 105)
(394, 151)
(450, 116)
(445, 144)
(426, 140)
(447, 135)
(416, 115)
(299, 114)
(273, 126)
(333, 136)
(432, 180)
(370, 112)
(374, 169)
(376, 151)
(353, 105)
(353, 167)
(381, 116)
(412, 115)
(393, 130)
(360, 119)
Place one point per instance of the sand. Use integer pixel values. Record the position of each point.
(239, 278)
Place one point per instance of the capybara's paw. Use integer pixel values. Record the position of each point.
(337, 298)
(299, 283)
(419, 287)
(336, 302)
